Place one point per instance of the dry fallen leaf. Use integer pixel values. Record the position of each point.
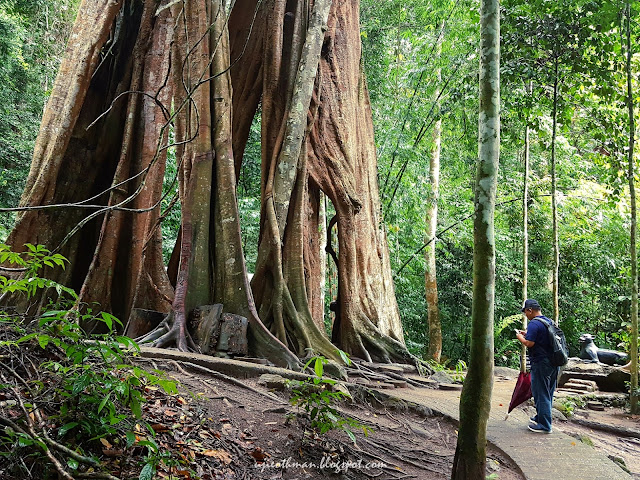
(227, 429)
(221, 455)
(112, 452)
(106, 443)
(259, 454)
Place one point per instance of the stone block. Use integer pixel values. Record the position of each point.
(271, 380)
(578, 386)
(233, 335)
(204, 323)
(398, 383)
(450, 386)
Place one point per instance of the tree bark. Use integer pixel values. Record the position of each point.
(554, 199)
(94, 118)
(633, 397)
(475, 400)
(123, 235)
(431, 220)
(343, 164)
(212, 267)
(525, 229)
(290, 61)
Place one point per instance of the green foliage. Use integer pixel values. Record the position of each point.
(32, 39)
(569, 404)
(31, 262)
(460, 371)
(85, 382)
(249, 194)
(317, 397)
(507, 347)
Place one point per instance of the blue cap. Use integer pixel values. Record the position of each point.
(531, 303)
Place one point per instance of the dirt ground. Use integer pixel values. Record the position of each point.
(229, 429)
(236, 431)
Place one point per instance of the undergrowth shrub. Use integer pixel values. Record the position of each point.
(66, 396)
(318, 397)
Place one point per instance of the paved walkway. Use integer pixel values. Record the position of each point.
(554, 456)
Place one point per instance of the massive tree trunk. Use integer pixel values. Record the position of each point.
(104, 139)
(343, 164)
(212, 266)
(475, 400)
(288, 59)
(338, 158)
(94, 135)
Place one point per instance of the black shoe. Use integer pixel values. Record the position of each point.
(537, 428)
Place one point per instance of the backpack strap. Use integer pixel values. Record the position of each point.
(543, 321)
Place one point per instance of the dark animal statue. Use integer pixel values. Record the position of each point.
(589, 351)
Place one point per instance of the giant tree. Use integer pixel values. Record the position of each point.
(127, 63)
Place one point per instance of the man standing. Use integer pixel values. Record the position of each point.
(544, 375)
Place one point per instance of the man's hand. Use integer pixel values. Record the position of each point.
(520, 336)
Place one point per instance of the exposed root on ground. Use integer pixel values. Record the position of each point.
(170, 332)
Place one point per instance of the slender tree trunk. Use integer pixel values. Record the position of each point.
(634, 222)
(525, 230)
(554, 199)
(475, 401)
(431, 219)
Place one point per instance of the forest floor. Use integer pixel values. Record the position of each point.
(229, 430)
(220, 427)
(243, 433)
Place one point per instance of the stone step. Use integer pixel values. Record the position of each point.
(578, 386)
(398, 383)
(597, 406)
(383, 386)
(572, 391)
(450, 386)
(583, 382)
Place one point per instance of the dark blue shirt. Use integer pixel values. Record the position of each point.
(537, 332)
